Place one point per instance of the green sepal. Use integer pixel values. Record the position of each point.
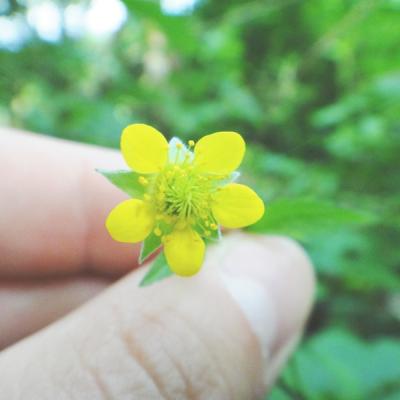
(231, 178)
(214, 237)
(149, 246)
(225, 180)
(215, 234)
(304, 218)
(176, 156)
(128, 181)
(159, 270)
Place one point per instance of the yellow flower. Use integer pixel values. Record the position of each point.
(188, 193)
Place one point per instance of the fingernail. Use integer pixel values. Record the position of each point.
(249, 293)
(271, 281)
(277, 362)
(258, 309)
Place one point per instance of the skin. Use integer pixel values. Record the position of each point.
(71, 293)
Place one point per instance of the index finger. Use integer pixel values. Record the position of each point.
(53, 206)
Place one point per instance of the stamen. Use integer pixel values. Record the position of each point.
(179, 147)
(143, 181)
(181, 196)
(191, 143)
(157, 231)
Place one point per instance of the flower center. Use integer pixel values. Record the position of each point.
(181, 192)
(181, 195)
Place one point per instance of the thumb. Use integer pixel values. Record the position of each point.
(222, 334)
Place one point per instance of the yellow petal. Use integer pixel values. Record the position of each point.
(184, 250)
(219, 153)
(236, 206)
(130, 221)
(144, 148)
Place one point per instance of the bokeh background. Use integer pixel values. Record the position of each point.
(314, 86)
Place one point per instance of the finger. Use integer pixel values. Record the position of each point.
(53, 205)
(213, 336)
(26, 307)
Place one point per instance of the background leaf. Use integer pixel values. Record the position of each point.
(339, 365)
(301, 218)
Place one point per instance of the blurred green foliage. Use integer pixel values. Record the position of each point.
(314, 86)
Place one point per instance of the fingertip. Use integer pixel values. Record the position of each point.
(55, 206)
(216, 335)
(272, 280)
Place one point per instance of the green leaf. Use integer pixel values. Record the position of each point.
(124, 180)
(336, 364)
(149, 246)
(279, 393)
(159, 270)
(301, 218)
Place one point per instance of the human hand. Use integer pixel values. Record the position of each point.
(223, 334)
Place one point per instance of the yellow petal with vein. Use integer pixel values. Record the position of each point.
(130, 221)
(184, 250)
(236, 206)
(219, 153)
(144, 148)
